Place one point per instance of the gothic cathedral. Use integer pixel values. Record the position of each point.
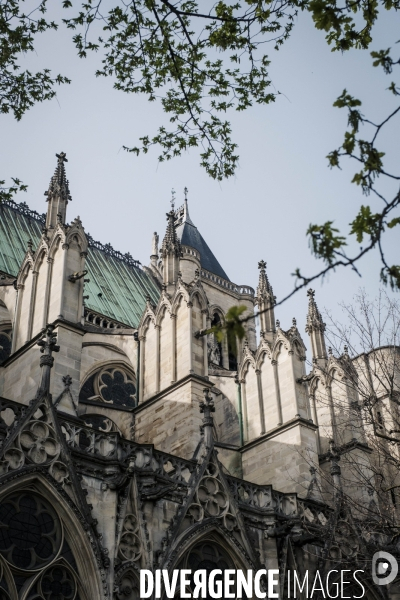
(133, 438)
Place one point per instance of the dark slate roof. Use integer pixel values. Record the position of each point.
(118, 278)
(189, 235)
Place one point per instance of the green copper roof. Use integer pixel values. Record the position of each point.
(118, 286)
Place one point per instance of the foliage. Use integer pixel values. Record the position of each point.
(232, 329)
(201, 62)
(368, 226)
(20, 90)
(7, 193)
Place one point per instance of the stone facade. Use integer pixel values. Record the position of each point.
(151, 444)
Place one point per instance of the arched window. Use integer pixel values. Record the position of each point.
(214, 346)
(5, 332)
(206, 556)
(34, 554)
(113, 385)
(5, 342)
(127, 585)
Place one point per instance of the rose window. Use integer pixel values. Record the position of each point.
(30, 531)
(212, 497)
(116, 387)
(111, 385)
(58, 584)
(38, 440)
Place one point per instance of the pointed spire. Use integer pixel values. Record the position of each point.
(314, 317)
(264, 286)
(186, 217)
(171, 244)
(58, 194)
(266, 301)
(315, 328)
(171, 252)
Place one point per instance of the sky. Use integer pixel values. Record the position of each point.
(282, 184)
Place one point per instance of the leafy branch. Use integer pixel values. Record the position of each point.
(368, 226)
(8, 192)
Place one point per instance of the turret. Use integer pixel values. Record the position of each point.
(266, 301)
(58, 194)
(315, 328)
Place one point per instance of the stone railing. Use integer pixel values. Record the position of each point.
(264, 498)
(191, 251)
(24, 209)
(228, 285)
(98, 320)
(110, 251)
(111, 446)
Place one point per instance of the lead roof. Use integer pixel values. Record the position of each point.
(118, 286)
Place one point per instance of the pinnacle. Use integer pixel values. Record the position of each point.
(264, 286)
(59, 184)
(314, 317)
(171, 241)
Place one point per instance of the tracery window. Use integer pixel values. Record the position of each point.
(110, 385)
(5, 342)
(206, 556)
(34, 555)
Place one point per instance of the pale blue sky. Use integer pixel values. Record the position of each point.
(282, 183)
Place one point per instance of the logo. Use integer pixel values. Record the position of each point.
(384, 568)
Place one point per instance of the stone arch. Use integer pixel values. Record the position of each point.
(182, 337)
(280, 342)
(200, 294)
(162, 308)
(32, 501)
(57, 239)
(181, 294)
(76, 236)
(39, 289)
(145, 321)
(209, 544)
(250, 398)
(24, 302)
(165, 324)
(148, 337)
(126, 584)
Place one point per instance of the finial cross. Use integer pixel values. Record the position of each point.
(311, 293)
(62, 157)
(262, 265)
(185, 191)
(173, 199)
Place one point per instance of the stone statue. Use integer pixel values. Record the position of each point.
(154, 250)
(213, 352)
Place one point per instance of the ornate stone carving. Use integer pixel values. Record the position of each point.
(130, 547)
